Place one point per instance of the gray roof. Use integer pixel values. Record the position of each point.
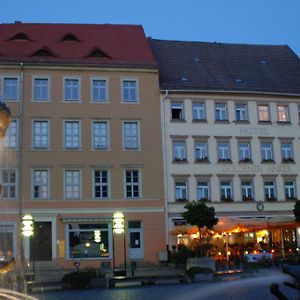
(202, 66)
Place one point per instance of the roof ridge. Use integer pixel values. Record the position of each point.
(62, 23)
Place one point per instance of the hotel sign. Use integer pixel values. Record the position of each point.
(255, 169)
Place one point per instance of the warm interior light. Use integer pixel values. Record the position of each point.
(4, 118)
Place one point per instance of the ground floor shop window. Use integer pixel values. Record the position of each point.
(88, 240)
(6, 242)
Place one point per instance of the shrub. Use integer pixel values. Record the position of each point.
(80, 279)
(198, 270)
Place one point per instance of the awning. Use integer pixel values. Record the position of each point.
(184, 229)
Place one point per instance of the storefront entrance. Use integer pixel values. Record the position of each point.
(41, 242)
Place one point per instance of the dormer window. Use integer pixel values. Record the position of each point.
(70, 37)
(19, 37)
(97, 53)
(43, 52)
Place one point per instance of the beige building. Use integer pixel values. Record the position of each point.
(230, 116)
(84, 142)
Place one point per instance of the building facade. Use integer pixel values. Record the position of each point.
(230, 117)
(83, 143)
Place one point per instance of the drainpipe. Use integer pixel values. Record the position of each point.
(165, 164)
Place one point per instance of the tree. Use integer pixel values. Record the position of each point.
(296, 210)
(201, 215)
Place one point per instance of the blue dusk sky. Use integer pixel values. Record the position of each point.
(271, 22)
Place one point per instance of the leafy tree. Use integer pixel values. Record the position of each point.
(201, 215)
(296, 210)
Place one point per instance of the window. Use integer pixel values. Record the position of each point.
(10, 88)
(7, 238)
(99, 90)
(290, 190)
(199, 111)
(179, 152)
(263, 113)
(266, 151)
(11, 137)
(244, 151)
(9, 184)
(221, 112)
(283, 113)
(40, 184)
(130, 91)
(100, 135)
(241, 112)
(72, 184)
(201, 151)
(177, 111)
(299, 113)
(79, 236)
(41, 89)
(72, 90)
(40, 135)
(131, 135)
(270, 192)
(202, 190)
(100, 184)
(226, 191)
(181, 190)
(223, 151)
(287, 152)
(132, 184)
(72, 135)
(247, 190)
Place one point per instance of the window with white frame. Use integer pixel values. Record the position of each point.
(290, 189)
(72, 134)
(287, 151)
(223, 151)
(130, 93)
(99, 90)
(226, 190)
(40, 184)
(41, 89)
(270, 190)
(181, 193)
(72, 184)
(247, 190)
(179, 151)
(131, 135)
(97, 235)
(10, 88)
(9, 184)
(203, 190)
(100, 184)
(221, 112)
(263, 113)
(201, 150)
(283, 113)
(72, 89)
(241, 113)
(11, 136)
(100, 135)
(132, 184)
(40, 134)
(199, 111)
(177, 111)
(266, 151)
(244, 151)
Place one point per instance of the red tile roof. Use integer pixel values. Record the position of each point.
(124, 45)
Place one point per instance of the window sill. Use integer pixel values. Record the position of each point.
(178, 120)
(181, 200)
(283, 123)
(288, 161)
(202, 161)
(199, 121)
(224, 161)
(222, 122)
(291, 199)
(241, 122)
(268, 161)
(248, 199)
(226, 200)
(204, 200)
(264, 122)
(271, 199)
(137, 101)
(245, 161)
(180, 161)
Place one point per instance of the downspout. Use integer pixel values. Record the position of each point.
(165, 165)
(20, 148)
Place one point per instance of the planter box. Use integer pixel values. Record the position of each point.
(202, 262)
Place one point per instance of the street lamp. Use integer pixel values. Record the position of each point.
(119, 228)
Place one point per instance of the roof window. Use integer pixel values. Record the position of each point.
(70, 37)
(21, 36)
(44, 52)
(96, 53)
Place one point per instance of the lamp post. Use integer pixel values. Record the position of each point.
(119, 228)
(27, 231)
